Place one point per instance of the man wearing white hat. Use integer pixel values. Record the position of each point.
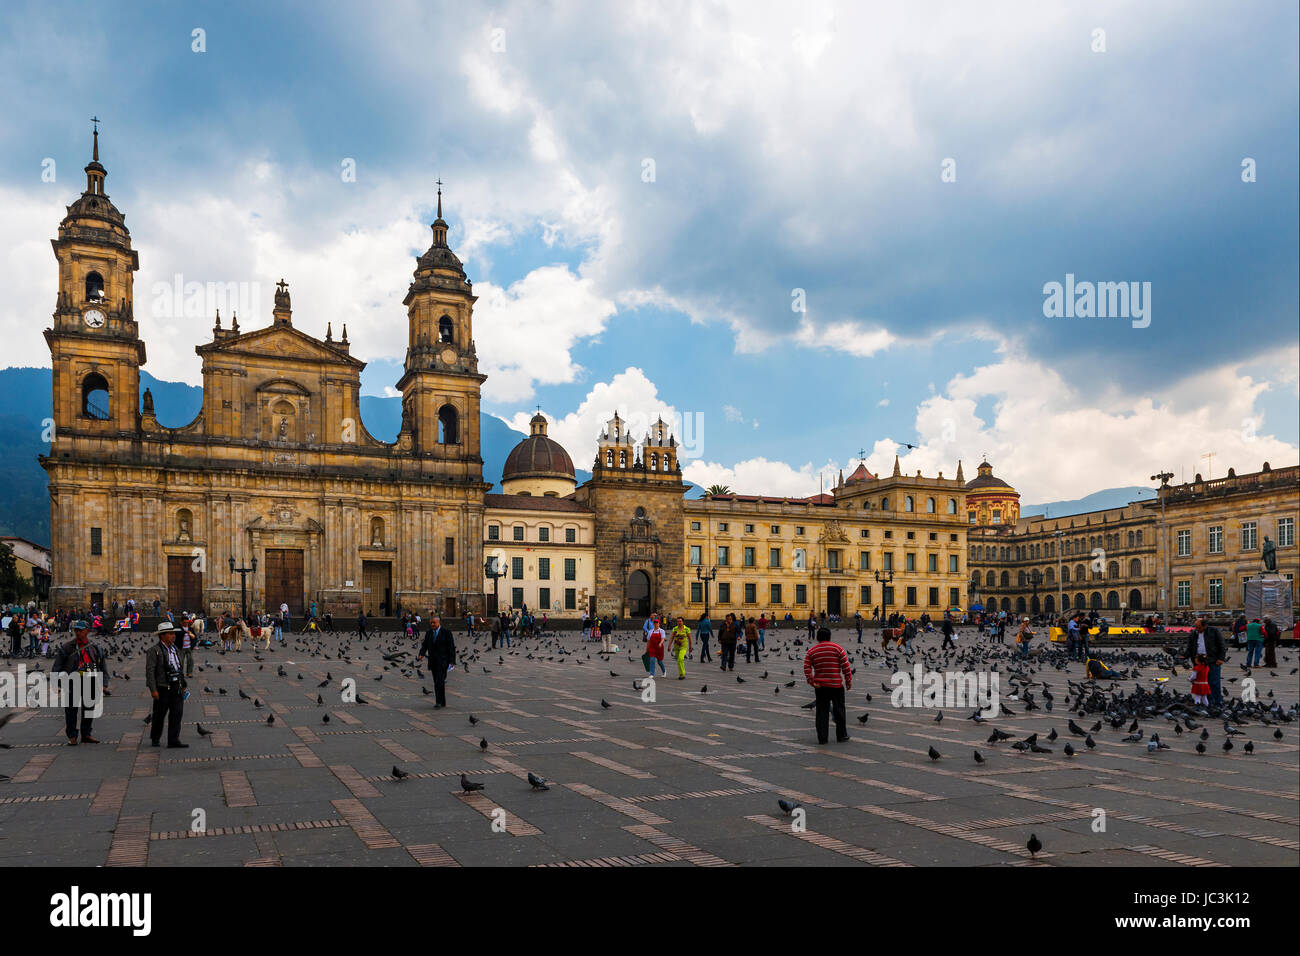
(166, 683)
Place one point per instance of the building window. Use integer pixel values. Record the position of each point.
(929, 506)
(570, 569)
(724, 593)
(801, 594)
(952, 506)
(570, 599)
(517, 569)
(749, 529)
(887, 560)
(1184, 543)
(865, 533)
(908, 504)
(798, 529)
(833, 560)
(1216, 592)
(1285, 532)
(446, 333)
(773, 557)
(1216, 539)
(970, 517)
(543, 534)
(932, 562)
(1249, 541)
(543, 570)
(774, 593)
(697, 592)
(954, 597)
(911, 597)
(724, 556)
(571, 535)
(494, 532)
(800, 559)
(952, 563)
(695, 526)
(776, 529)
(722, 526)
(1184, 593)
(517, 532)
(888, 535)
(864, 595)
(748, 557)
(909, 561)
(864, 560)
(997, 516)
(934, 597)
(96, 541)
(448, 425)
(696, 554)
(543, 598)
(448, 550)
(516, 597)
(884, 504)
(751, 593)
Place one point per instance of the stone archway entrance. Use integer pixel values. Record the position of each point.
(638, 594)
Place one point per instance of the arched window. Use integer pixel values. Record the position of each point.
(376, 532)
(952, 506)
(622, 459)
(448, 425)
(1112, 600)
(1020, 579)
(446, 331)
(609, 458)
(1139, 539)
(1079, 573)
(908, 503)
(668, 462)
(94, 397)
(1131, 539)
(1112, 570)
(929, 505)
(639, 513)
(1006, 579)
(654, 461)
(1065, 602)
(1050, 576)
(1095, 600)
(1065, 575)
(1020, 605)
(94, 287)
(1135, 568)
(884, 504)
(989, 580)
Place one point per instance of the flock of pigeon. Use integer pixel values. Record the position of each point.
(1140, 699)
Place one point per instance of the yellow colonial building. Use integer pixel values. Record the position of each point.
(872, 545)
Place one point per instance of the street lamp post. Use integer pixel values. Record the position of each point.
(492, 569)
(706, 577)
(243, 584)
(1163, 477)
(1035, 579)
(884, 583)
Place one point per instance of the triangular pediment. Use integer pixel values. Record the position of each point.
(281, 341)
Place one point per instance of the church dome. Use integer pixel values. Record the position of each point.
(538, 456)
(986, 479)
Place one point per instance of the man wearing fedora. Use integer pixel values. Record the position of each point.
(82, 657)
(166, 683)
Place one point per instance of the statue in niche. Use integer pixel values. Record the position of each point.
(284, 428)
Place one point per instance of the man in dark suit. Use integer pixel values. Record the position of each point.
(166, 683)
(1208, 641)
(440, 648)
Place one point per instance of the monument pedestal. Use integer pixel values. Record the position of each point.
(1269, 595)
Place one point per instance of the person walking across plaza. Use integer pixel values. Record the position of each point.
(82, 657)
(654, 650)
(440, 647)
(948, 630)
(1271, 636)
(727, 638)
(1254, 643)
(166, 683)
(680, 646)
(751, 640)
(704, 631)
(827, 670)
(1024, 637)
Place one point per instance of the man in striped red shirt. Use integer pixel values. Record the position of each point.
(826, 668)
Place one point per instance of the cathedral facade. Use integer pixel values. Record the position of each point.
(277, 471)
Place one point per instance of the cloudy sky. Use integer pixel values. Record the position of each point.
(798, 230)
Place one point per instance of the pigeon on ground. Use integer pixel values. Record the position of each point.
(399, 773)
(469, 786)
(862, 719)
(1249, 748)
(202, 732)
(1068, 751)
(605, 704)
(934, 754)
(270, 719)
(787, 806)
(1200, 746)
(473, 719)
(978, 757)
(1034, 844)
(536, 782)
(483, 744)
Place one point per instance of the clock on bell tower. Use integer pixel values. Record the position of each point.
(95, 346)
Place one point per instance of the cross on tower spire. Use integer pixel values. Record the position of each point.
(439, 197)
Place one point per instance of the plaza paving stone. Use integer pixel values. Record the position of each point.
(689, 780)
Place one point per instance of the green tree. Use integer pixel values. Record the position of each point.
(718, 490)
(13, 586)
